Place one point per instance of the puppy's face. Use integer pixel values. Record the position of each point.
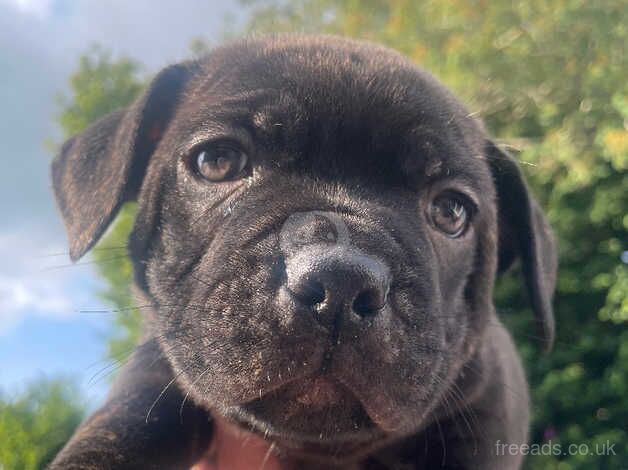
(318, 262)
(317, 231)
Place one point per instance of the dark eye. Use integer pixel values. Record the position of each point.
(449, 214)
(219, 162)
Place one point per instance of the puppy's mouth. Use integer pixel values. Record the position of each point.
(317, 393)
(314, 413)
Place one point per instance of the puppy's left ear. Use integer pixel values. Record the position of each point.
(100, 169)
(524, 233)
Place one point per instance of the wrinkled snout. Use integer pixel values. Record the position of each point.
(336, 280)
(326, 274)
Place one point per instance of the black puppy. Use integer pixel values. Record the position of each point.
(319, 228)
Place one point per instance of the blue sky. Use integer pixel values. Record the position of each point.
(42, 332)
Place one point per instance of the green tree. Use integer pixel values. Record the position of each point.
(35, 425)
(100, 85)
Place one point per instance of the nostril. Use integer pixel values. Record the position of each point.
(368, 302)
(311, 293)
(335, 283)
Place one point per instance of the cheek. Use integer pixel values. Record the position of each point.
(455, 261)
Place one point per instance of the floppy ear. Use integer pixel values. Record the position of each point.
(103, 167)
(524, 233)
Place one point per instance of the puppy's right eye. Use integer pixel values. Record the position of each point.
(219, 162)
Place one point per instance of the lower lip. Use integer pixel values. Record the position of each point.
(320, 391)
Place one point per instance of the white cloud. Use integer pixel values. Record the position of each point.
(36, 278)
(37, 7)
(24, 296)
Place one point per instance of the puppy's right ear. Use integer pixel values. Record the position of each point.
(100, 169)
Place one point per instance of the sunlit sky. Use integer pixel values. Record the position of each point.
(42, 332)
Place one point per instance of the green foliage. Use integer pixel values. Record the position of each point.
(99, 86)
(35, 425)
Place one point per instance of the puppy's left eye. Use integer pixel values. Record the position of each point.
(219, 162)
(449, 213)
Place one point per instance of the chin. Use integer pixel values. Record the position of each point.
(316, 418)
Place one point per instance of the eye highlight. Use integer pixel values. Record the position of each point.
(450, 213)
(219, 161)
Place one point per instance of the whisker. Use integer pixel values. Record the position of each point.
(474, 113)
(116, 363)
(505, 385)
(109, 369)
(442, 440)
(526, 335)
(141, 307)
(456, 410)
(187, 394)
(161, 394)
(84, 263)
(271, 448)
(464, 408)
(67, 253)
(205, 283)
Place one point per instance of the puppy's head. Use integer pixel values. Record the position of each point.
(319, 227)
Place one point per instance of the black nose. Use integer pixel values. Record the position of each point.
(338, 279)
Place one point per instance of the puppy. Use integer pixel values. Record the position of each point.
(319, 227)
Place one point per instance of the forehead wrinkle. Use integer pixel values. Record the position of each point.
(443, 156)
(464, 175)
(274, 97)
(223, 113)
(230, 104)
(464, 182)
(256, 118)
(244, 97)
